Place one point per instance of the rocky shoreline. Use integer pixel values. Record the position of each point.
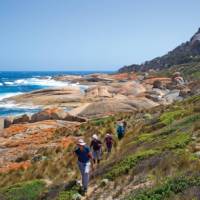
(69, 107)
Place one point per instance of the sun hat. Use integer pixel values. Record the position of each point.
(95, 137)
(176, 74)
(81, 142)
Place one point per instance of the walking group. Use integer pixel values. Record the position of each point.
(88, 156)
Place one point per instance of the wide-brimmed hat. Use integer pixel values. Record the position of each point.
(81, 142)
(95, 137)
(176, 74)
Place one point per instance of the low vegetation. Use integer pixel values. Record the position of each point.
(169, 188)
(157, 159)
(30, 190)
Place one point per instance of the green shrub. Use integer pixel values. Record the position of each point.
(102, 121)
(66, 195)
(172, 186)
(128, 163)
(196, 75)
(179, 140)
(30, 190)
(168, 117)
(145, 137)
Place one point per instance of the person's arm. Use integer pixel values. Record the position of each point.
(100, 143)
(91, 158)
(75, 153)
(91, 144)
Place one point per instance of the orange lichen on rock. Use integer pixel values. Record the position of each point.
(14, 129)
(125, 76)
(152, 80)
(15, 166)
(21, 139)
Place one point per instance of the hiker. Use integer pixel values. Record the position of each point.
(109, 143)
(96, 146)
(120, 130)
(84, 161)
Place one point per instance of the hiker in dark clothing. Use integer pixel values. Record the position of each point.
(96, 146)
(120, 130)
(84, 156)
(109, 143)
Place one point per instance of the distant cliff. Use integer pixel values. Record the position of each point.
(184, 53)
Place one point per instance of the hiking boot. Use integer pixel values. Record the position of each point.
(83, 191)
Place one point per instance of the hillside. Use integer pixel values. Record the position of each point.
(184, 53)
(158, 159)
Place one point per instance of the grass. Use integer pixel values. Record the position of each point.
(68, 195)
(164, 191)
(177, 141)
(128, 163)
(196, 75)
(102, 121)
(144, 137)
(168, 118)
(30, 190)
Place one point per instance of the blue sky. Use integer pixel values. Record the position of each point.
(91, 34)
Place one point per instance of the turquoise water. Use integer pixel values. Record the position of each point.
(13, 83)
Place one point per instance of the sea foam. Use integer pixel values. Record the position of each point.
(48, 82)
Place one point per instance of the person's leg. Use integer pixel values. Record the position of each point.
(94, 156)
(98, 156)
(108, 151)
(81, 168)
(86, 176)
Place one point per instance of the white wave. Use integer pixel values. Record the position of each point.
(1, 84)
(47, 82)
(8, 83)
(7, 95)
(12, 105)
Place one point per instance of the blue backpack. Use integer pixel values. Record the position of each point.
(120, 131)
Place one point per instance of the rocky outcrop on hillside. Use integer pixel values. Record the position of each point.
(108, 107)
(55, 114)
(98, 91)
(46, 114)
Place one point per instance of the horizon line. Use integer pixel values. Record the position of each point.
(58, 70)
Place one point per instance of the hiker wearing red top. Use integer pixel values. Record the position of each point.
(96, 146)
(109, 143)
(84, 156)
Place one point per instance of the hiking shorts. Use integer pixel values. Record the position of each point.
(97, 155)
(109, 149)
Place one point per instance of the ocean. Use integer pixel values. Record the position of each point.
(14, 83)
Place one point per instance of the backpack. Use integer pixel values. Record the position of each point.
(120, 131)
